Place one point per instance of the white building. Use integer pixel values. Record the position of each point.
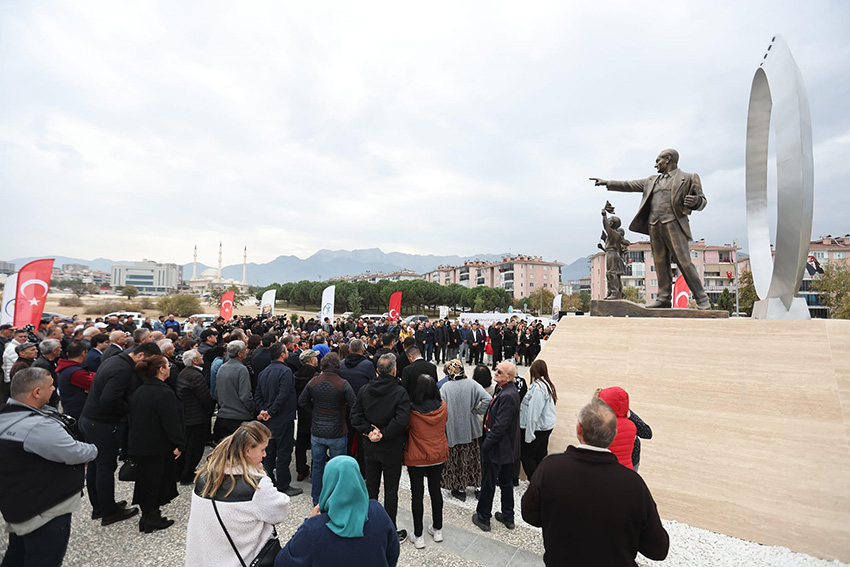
(146, 276)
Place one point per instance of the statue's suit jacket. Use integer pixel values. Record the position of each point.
(686, 184)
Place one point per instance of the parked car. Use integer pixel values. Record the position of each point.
(51, 315)
(416, 319)
(137, 316)
(205, 319)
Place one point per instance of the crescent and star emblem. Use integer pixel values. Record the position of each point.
(34, 300)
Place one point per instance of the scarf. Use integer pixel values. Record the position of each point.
(344, 497)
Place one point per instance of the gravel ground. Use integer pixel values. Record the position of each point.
(121, 544)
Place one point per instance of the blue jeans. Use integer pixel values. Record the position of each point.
(279, 454)
(429, 351)
(320, 448)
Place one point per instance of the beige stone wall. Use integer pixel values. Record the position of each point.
(751, 419)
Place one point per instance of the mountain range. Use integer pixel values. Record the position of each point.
(325, 264)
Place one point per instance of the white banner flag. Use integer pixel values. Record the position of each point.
(328, 303)
(267, 303)
(7, 316)
(556, 304)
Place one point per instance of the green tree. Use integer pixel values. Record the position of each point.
(81, 289)
(834, 290)
(294, 319)
(633, 294)
(726, 301)
(354, 303)
(585, 298)
(747, 293)
(129, 291)
(301, 293)
(179, 304)
(239, 298)
(533, 301)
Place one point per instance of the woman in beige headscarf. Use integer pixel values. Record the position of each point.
(465, 398)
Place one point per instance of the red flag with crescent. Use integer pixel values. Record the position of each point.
(681, 293)
(31, 295)
(395, 306)
(227, 305)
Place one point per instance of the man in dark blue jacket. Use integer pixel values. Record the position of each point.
(500, 449)
(276, 402)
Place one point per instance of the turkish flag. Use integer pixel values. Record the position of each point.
(31, 295)
(681, 293)
(227, 305)
(395, 306)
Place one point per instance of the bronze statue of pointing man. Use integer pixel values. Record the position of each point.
(668, 199)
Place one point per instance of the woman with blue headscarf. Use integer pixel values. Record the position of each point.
(344, 525)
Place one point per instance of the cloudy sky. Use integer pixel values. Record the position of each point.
(138, 129)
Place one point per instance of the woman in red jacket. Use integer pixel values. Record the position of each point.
(426, 450)
(623, 444)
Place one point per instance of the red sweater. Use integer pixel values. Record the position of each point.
(624, 442)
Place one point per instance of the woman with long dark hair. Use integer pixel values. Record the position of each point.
(537, 417)
(426, 450)
(156, 440)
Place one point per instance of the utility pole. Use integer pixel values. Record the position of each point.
(737, 286)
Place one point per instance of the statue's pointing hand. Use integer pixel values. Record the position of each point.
(598, 182)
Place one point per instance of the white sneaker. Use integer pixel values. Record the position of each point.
(418, 542)
(436, 534)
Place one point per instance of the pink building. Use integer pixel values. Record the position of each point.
(715, 265)
(521, 275)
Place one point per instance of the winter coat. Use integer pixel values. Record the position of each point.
(330, 398)
(537, 411)
(623, 444)
(194, 394)
(276, 394)
(74, 383)
(426, 437)
(156, 423)
(501, 426)
(386, 405)
(465, 399)
(358, 370)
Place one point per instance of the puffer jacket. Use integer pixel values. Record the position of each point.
(623, 444)
(427, 443)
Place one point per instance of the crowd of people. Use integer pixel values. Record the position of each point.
(357, 401)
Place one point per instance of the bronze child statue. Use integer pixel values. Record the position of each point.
(615, 246)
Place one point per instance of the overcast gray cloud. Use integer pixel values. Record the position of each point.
(132, 130)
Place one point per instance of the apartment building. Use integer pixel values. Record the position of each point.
(521, 275)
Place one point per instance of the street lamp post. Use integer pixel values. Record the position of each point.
(737, 283)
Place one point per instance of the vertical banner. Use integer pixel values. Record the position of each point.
(227, 305)
(556, 304)
(328, 297)
(444, 311)
(267, 303)
(395, 306)
(31, 293)
(681, 293)
(7, 314)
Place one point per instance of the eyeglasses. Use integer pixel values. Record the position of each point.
(499, 371)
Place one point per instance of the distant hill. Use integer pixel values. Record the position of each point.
(326, 264)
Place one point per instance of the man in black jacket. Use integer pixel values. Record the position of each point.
(358, 371)
(476, 344)
(193, 391)
(569, 489)
(416, 368)
(275, 400)
(500, 449)
(381, 415)
(309, 368)
(104, 423)
(261, 357)
(439, 341)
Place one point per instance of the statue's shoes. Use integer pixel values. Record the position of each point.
(704, 304)
(659, 304)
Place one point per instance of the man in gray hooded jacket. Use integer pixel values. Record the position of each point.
(44, 462)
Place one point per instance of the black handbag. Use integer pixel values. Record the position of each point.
(128, 471)
(266, 556)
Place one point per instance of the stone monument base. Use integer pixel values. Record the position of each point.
(773, 308)
(624, 308)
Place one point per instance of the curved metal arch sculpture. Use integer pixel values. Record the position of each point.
(778, 90)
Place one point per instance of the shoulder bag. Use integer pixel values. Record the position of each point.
(267, 554)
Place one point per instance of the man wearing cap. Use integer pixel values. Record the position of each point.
(27, 353)
(6, 333)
